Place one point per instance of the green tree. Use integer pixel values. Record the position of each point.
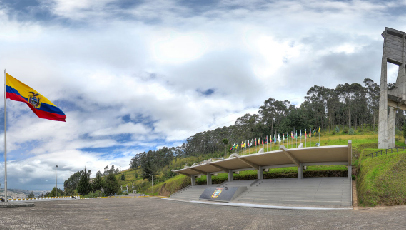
(84, 187)
(111, 185)
(71, 184)
(122, 177)
(225, 142)
(31, 195)
(54, 193)
(98, 182)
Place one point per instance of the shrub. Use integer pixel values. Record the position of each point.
(351, 131)
(95, 194)
(337, 130)
(345, 130)
(404, 130)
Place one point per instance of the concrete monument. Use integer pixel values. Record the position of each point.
(395, 99)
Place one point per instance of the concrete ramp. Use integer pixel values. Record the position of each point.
(190, 193)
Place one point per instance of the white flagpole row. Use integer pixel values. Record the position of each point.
(5, 147)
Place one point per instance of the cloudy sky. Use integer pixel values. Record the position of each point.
(138, 75)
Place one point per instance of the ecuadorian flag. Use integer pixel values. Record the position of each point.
(40, 105)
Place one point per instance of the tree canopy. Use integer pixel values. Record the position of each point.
(345, 106)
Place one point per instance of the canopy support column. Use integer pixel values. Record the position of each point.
(260, 173)
(230, 175)
(193, 180)
(300, 171)
(208, 179)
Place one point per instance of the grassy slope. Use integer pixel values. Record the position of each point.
(380, 180)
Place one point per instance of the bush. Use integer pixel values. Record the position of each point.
(345, 130)
(95, 194)
(404, 130)
(351, 131)
(111, 185)
(337, 130)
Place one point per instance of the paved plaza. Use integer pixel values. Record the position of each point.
(155, 213)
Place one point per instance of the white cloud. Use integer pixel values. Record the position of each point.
(153, 60)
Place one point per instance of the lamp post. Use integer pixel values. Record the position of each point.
(152, 189)
(56, 180)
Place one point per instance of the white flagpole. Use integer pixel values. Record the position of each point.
(5, 147)
(293, 139)
(300, 136)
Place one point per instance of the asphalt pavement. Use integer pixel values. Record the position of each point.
(155, 213)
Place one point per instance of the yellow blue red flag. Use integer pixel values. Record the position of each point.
(40, 105)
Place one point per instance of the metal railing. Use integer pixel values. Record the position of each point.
(386, 151)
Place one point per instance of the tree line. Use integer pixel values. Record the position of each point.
(104, 184)
(347, 107)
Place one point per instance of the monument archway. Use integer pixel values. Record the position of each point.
(394, 99)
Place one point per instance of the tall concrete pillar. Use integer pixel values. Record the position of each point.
(230, 175)
(383, 106)
(208, 179)
(401, 81)
(260, 173)
(391, 127)
(193, 180)
(300, 171)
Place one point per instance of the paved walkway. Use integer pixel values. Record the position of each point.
(153, 213)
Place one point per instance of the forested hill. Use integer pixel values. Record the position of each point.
(348, 106)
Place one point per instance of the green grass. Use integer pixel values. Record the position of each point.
(382, 180)
(170, 186)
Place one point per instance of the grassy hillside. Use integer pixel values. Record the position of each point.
(380, 180)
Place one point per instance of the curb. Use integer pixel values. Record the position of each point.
(260, 205)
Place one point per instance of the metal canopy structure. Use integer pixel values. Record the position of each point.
(294, 157)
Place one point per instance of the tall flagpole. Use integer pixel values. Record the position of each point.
(5, 147)
(319, 137)
(305, 138)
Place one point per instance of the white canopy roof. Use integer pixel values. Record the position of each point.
(323, 155)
